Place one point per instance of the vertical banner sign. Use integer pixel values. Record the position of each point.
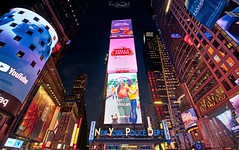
(166, 131)
(92, 129)
(73, 135)
(76, 134)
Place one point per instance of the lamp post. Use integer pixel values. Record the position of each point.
(171, 116)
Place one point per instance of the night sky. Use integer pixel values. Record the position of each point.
(91, 44)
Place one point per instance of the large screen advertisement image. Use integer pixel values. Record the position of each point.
(230, 24)
(189, 118)
(121, 28)
(38, 117)
(229, 121)
(26, 43)
(122, 56)
(205, 11)
(122, 105)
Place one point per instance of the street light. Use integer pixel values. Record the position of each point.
(171, 116)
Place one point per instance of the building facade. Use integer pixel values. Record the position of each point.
(206, 63)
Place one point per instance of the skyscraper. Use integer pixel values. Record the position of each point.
(162, 81)
(205, 61)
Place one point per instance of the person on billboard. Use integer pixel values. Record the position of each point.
(133, 94)
(123, 102)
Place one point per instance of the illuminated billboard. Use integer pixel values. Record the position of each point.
(38, 117)
(235, 103)
(122, 56)
(189, 118)
(121, 28)
(205, 11)
(26, 42)
(229, 121)
(229, 23)
(122, 105)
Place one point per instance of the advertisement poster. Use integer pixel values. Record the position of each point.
(230, 24)
(122, 56)
(121, 29)
(27, 41)
(122, 105)
(189, 118)
(38, 117)
(206, 11)
(229, 121)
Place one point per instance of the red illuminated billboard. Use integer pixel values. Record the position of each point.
(122, 57)
(121, 28)
(122, 104)
(26, 43)
(38, 117)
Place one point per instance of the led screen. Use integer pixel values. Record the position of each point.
(38, 117)
(122, 105)
(26, 43)
(230, 24)
(122, 57)
(13, 143)
(235, 102)
(205, 11)
(189, 118)
(121, 28)
(175, 35)
(229, 121)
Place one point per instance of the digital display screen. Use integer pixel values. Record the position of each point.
(27, 41)
(122, 56)
(205, 11)
(122, 104)
(38, 117)
(121, 29)
(189, 118)
(230, 24)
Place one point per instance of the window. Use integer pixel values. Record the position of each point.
(25, 20)
(2, 44)
(206, 56)
(33, 63)
(232, 79)
(230, 61)
(20, 54)
(220, 36)
(212, 64)
(210, 50)
(218, 74)
(237, 71)
(42, 43)
(40, 30)
(215, 44)
(36, 19)
(32, 47)
(236, 54)
(17, 38)
(13, 24)
(47, 28)
(226, 85)
(29, 32)
(42, 57)
(21, 12)
(223, 52)
(224, 68)
(217, 59)
(228, 45)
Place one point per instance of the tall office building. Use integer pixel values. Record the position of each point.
(48, 82)
(162, 81)
(78, 90)
(205, 55)
(121, 124)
